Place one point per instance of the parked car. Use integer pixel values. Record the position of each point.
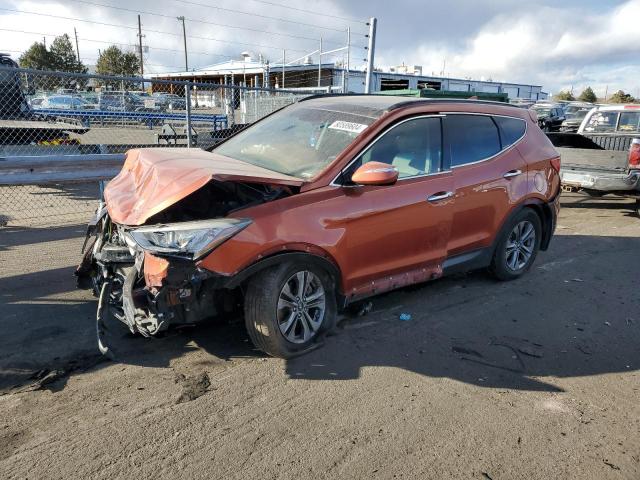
(60, 102)
(317, 206)
(550, 116)
(170, 101)
(124, 102)
(574, 119)
(572, 108)
(604, 155)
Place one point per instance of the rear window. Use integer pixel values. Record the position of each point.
(602, 122)
(511, 130)
(471, 138)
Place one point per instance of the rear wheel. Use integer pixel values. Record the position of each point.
(518, 246)
(289, 307)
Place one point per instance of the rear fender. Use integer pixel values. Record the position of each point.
(547, 218)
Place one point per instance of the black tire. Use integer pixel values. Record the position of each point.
(500, 264)
(261, 309)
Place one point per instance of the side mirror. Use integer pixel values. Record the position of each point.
(375, 173)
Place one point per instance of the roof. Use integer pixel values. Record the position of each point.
(613, 108)
(375, 105)
(239, 67)
(366, 105)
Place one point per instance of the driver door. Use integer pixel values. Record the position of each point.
(397, 235)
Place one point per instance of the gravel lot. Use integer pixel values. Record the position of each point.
(536, 378)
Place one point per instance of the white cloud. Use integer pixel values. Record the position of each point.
(578, 43)
(558, 48)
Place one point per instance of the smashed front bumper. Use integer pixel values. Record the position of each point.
(150, 295)
(143, 291)
(603, 181)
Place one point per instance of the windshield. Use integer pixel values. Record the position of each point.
(542, 112)
(299, 141)
(577, 115)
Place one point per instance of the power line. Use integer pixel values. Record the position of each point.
(189, 2)
(93, 40)
(354, 20)
(67, 18)
(194, 20)
(170, 33)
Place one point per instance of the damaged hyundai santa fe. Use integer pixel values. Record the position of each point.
(319, 205)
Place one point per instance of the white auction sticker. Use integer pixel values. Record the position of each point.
(348, 126)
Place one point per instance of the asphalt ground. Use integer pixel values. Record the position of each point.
(536, 378)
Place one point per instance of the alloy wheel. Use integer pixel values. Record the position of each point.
(301, 307)
(520, 245)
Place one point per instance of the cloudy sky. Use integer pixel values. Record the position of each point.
(559, 44)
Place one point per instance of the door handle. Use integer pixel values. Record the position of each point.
(512, 173)
(436, 197)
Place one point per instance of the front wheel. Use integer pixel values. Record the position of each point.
(289, 307)
(518, 246)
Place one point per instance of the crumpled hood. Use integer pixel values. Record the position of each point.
(153, 179)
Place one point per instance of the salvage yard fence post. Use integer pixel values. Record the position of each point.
(187, 96)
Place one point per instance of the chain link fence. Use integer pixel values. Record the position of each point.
(48, 119)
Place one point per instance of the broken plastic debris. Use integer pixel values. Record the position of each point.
(405, 317)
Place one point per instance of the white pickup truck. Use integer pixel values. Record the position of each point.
(604, 155)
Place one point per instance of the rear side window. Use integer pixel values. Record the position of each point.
(471, 138)
(629, 122)
(511, 130)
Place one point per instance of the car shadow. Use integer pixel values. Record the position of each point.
(605, 202)
(573, 315)
(20, 235)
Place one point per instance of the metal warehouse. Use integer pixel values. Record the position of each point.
(328, 76)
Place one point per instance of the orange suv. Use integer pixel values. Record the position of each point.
(319, 205)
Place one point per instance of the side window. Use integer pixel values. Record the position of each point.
(471, 138)
(629, 122)
(414, 147)
(511, 130)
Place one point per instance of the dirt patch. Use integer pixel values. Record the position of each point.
(11, 441)
(193, 386)
(53, 377)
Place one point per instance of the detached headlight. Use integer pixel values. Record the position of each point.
(188, 239)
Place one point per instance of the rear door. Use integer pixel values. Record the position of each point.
(489, 176)
(397, 235)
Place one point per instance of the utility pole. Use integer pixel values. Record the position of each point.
(77, 47)
(44, 41)
(140, 46)
(345, 87)
(284, 53)
(184, 36)
(320, 62)
(370, 54)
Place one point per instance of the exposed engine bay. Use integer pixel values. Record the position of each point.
(146, 276)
